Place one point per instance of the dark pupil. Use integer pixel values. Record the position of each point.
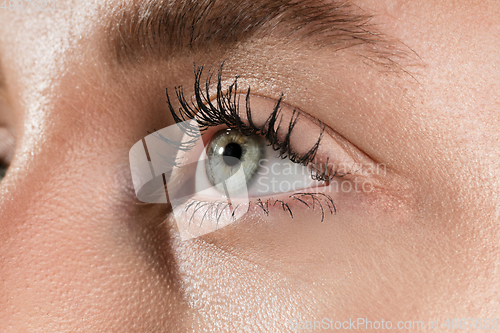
(232, 154)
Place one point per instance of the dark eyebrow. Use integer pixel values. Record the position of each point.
(163, 29)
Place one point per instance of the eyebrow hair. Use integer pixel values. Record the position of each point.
(163, 29)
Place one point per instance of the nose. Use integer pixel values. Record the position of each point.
(78, 251)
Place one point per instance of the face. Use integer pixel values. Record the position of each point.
(396, 119)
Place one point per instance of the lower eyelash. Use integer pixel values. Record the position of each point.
(212, 211)
(317, 199)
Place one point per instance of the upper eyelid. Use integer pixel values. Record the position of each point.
(352, 160)
(225, 110)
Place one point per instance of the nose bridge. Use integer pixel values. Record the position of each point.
(75, 243)
(78, 252)
(58, 173)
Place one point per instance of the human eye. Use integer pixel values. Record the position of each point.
(237, 154)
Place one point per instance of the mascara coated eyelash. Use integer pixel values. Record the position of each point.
(227, 112)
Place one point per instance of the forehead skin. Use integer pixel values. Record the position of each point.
(77, 253)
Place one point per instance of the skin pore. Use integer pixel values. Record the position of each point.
(79, 252)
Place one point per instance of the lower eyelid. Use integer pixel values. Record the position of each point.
(202, 217)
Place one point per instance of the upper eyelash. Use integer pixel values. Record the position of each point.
(227, 113)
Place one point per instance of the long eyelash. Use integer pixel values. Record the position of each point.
(227, 112)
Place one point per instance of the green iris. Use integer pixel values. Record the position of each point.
(227, 152)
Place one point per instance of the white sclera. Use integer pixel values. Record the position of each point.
(278, 175)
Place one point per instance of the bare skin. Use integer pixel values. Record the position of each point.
(80, 253)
